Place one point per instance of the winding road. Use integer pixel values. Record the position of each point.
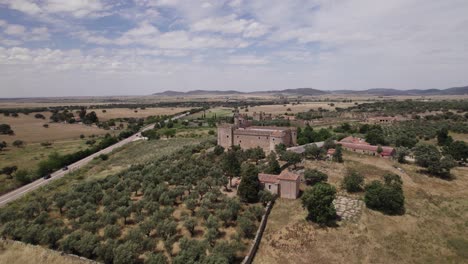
(16, 194)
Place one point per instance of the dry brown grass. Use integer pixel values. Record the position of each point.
(461, 137)
(434, 228)
(19, 253)
(140, 113)
(31, 130)
(303, 107)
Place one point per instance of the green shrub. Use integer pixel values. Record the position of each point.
(353, 182)
(386, 197)
(318, 200)
(314, 176)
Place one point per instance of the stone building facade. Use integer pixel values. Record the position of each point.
(286, 185)
(243, 134)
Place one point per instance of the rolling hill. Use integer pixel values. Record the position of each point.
(315, 92)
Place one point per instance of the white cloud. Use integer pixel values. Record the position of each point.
(78, 8)
(247, 60)
(22, 34)
(149, 36)
(15, 29)
(25, 6)
(231, 25)
(239, 44)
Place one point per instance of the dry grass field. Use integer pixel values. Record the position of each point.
(434, 228)
(303, 107)
(218, 111)
(14, 252)
(137, 113)
(461, 137)
(28, 157)
(31, 130)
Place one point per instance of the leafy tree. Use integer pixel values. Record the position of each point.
(9, 170)
(124, 212)
(168, 132)
(191, 251)
(156, 258)
(458, 150)
(379, 149)
(292, 158)
(353, 182)
(329, 143)
(166, 228)
(105, 251)
(211, 235)
(401, 153)
(126, 253)
(190, 223)
(39, 116)
(318, 200)
(5, 129)
(246, 227)
(443, 138)
(218, 150)
(429, 157)
(151, 134)
(226, 251)
(338, 155)
(265, 197)
(191, 204)
(405, 140)
(280, 148)
(386, 197)
(112, 231)
(18, 143)
(314, 176)
(255, 154)
(314, 152)
(23, 176)
(51, 236)
(273, 164)
(90, 118)
(375, 136)
(3, 145)
(250, 185)
(231, 164)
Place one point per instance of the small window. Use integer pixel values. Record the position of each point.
(258, 137)
(269, 186)
(227, 136)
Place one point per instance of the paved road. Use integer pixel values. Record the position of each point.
(13, 195)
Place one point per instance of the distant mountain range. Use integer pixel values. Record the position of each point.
(315, 92)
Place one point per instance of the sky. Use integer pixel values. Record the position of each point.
(139, 47)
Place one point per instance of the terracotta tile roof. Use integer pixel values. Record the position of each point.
(288, 176)
(331, 151)
(268, 178)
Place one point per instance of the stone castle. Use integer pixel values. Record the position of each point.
(243, 134)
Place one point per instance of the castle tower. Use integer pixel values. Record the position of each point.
(225, 136)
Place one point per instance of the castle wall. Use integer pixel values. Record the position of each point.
(289, 189)
(225, 136)
(252, 141)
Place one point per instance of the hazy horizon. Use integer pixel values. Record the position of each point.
(140, 47)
